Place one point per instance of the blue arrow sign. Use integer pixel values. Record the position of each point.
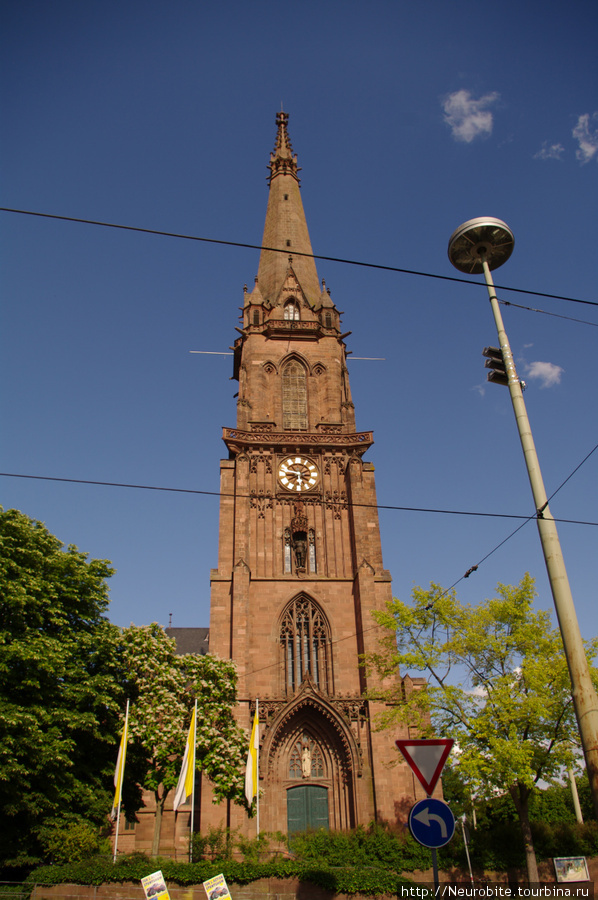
(431, 823)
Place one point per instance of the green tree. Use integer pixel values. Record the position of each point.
(497, 682)
(163, 687)
(59, 692)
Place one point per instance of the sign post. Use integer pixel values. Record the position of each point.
(431, 821)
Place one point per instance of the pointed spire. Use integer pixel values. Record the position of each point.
(282, 160)
(286, 227)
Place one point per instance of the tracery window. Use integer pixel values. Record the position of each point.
(306, 759)
(291, 311)
(305, 643)
(294, 397)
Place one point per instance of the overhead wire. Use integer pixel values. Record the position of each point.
(349, 262)
(151, 487)
(545, 312)
(353, 262)
(563, 483)
(362, 631)
(447, 590)
(536, 515)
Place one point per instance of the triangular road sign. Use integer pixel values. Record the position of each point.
(426, 758)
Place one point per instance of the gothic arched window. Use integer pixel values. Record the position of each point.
(305, 643)
(294, 397)
(291, 311)
(306, 759)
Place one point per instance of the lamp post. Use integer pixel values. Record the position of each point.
(477, 246)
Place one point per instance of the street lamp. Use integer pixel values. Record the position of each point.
(477, 246)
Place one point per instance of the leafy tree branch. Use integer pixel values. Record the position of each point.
(497, 682)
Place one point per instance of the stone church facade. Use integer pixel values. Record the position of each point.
(300, 566)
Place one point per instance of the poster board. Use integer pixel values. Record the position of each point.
(571, 868)
(216, 888)
(155, 887)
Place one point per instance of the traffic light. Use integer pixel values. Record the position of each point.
(496, 363)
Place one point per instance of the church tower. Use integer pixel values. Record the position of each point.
(300, 562)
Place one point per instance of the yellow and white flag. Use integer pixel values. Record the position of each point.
(120, 766)
(252, 760)
(184, 788)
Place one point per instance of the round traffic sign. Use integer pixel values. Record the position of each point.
(431, 823)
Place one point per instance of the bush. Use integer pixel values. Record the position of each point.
(565, 839)
(377, 846)
(216, 843)
(364, 860)
(219, 844)
(347, 880)
(256, 850)
(64, 842)
(499, 847)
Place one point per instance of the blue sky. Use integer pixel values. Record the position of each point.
(408, 119)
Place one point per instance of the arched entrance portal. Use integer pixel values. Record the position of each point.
(312, 763)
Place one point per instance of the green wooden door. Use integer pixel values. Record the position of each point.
(307, 807)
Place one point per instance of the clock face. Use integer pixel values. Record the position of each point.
(297, 474)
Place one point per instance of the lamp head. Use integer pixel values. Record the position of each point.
(479, 239)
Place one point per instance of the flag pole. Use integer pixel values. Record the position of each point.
(193, 789)
(120, 771)
(257, 767)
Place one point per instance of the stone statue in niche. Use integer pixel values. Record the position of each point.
(306, 760)
(300, 551)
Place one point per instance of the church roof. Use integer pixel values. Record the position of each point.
(286, 226)
(190, 640)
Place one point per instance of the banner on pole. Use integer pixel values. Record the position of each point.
(251, 785)
(184, 788)
(120, 767)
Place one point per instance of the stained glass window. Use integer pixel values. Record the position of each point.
(291, 311)
(305, 640)
(294, 397)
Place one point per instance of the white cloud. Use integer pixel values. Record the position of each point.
(467, 118)
(554, 151)
(547, 373)
(586, 138)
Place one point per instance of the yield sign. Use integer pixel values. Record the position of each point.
(427, 759)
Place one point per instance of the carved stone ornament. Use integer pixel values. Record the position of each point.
(262, 426)
(299, 521)
(264, 458)
(234, 438)
(336, 501)
(262, 500)
(278, 714)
